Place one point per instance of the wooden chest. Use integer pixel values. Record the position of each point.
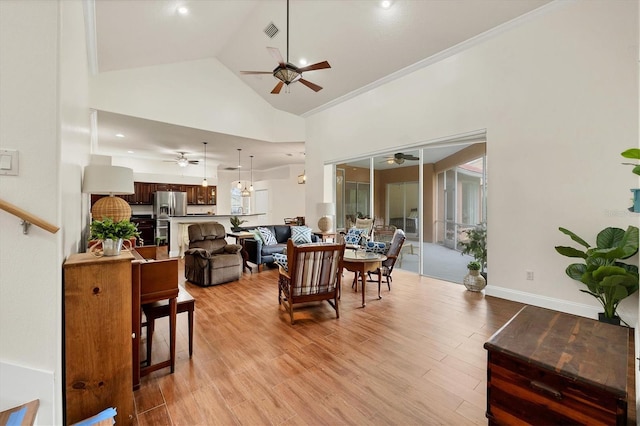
(547, 367)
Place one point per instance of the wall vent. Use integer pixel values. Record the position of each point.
(271, 30)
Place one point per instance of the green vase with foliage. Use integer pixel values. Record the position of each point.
(607, 278)
(111, 234)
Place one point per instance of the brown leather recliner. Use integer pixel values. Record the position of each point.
(209, 259)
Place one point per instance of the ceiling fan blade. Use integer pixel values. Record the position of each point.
(256, 72)
(278, 87)
(194, 161)
(318, 66)
(310, 85)
(411, 157)
(275, 52)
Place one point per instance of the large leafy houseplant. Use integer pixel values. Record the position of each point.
(476, 244)
(607, 278)
(634, 154)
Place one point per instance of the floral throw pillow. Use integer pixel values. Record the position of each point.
(267, 236)
(301, 234)
(353, 236)
(376, 247)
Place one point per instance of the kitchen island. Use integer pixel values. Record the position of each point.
(178, 225)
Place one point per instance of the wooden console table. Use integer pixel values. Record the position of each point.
(548, 367)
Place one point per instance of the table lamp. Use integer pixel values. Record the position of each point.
(326, 211)
(111, 181)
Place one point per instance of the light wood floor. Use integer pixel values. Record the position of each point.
(414, 357)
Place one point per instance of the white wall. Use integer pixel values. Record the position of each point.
(43, 104)
(202, 94)
(558, 96)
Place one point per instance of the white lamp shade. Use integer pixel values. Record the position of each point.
(326, 209)
(114, 180)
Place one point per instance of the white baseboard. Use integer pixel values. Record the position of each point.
(22, 384)
(580, 309)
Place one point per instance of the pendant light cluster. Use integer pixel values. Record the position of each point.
(204, 179)
(245, 192)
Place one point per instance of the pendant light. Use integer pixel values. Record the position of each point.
(204, 179)
(251, 186)
(239, 184)
(245, 191)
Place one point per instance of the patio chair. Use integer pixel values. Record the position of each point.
(312, 273)
(392, 255)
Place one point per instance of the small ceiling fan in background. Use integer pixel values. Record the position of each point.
(183, 161)
(399, 158)
(288, 73)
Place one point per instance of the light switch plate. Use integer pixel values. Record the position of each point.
(9, 162)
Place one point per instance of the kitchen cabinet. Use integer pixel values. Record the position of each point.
(144, 193)
(196, 194)
(199, 195)
(97, 332)
(170, 187)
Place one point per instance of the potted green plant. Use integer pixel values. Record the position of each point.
(607, 278)
(473, 281)
(476, 245)
(235, 223)
(111, 234)
(634, 154)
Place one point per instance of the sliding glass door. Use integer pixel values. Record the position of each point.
(434, 193)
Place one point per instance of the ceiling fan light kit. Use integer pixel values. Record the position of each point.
(288, 73)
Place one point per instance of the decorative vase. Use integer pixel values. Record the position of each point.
(473, 281)
(602, 318)
(111, 247)
(636, 201)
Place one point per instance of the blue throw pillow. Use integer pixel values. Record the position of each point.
(353, 236)
(301, 234)
(268, 238)
(376, 247)
(281, 259)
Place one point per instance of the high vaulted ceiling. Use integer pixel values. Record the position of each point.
(363, 42)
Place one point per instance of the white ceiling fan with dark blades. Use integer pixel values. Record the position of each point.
(399, 158)
(288, 73)
(182, 161)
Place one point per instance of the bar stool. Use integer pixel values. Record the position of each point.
(152, 311)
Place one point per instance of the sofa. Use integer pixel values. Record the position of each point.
(209, 259)
(261, 253)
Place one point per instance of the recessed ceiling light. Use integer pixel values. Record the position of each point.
(183, 10)
(119, 135)
(303, 62)
(386, 4)
(130, 152)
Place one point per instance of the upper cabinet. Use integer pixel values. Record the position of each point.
(196, 194)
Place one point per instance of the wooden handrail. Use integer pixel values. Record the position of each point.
(28, 217)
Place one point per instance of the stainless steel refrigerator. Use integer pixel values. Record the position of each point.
(165, 205)
(169, 203)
